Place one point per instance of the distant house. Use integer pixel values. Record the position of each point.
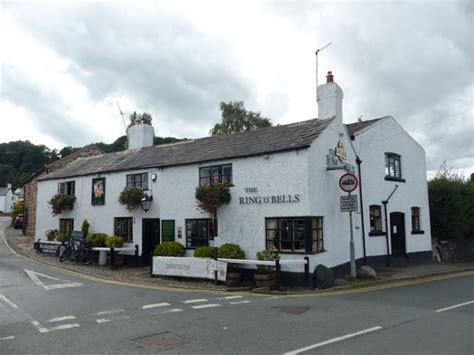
(7, 199)
(30, 187)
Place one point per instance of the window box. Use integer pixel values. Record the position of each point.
(388, 178)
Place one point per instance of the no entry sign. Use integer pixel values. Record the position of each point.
(348, 182)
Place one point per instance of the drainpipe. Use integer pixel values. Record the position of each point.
(386, 223)
(358, 161)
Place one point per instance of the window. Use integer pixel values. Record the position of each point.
(295, 234)
(66, 225)
(67, 188)
(415, 220)
(198, 232)
(375, 220)
(123, 227)
(210, 175)
(393, 168)
(138, 180)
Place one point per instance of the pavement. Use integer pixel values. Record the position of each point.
(46, 310)
(141, 275)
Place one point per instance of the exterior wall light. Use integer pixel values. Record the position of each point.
(146, 202)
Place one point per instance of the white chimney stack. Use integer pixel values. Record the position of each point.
(140, 135)
(330, 97)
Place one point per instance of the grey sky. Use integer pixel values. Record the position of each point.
(66, 64)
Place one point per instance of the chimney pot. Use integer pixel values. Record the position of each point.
(329, 77)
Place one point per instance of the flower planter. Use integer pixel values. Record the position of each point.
(265, 280)
(233, 278)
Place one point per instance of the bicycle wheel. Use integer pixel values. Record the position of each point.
(65, 254)
(86, 257)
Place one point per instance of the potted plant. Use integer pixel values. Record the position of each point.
(231, 251)
(169, 249)
(204, 252)
(131, 197)
(85, 227)
(265, 276)
(61, 202)
(52, 234)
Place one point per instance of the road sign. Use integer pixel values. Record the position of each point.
(349, 203)
(348, 182)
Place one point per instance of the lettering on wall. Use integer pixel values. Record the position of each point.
(258, 200)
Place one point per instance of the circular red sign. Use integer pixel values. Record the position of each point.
(348, 182)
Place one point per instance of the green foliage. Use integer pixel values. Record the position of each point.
(451, 199)
(18, 209)
(131, 197)
(52, 234)
(169, 249)
(204, 252)
(230, 251)
(139, 119)
(209, 198)
(97, 239)
(266, 255)
(60, 202)
(62, 237)
(235, 118)
(114, 242)
(85, 227)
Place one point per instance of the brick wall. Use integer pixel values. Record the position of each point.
(31, 186)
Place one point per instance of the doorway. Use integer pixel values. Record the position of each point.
(397, 234)
(150, 238)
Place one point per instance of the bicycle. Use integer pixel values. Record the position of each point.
(78, 250)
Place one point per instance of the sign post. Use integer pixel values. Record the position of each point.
(348, 183)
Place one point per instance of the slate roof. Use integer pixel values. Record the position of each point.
(3, 191)
(359, 126)
(261, 141)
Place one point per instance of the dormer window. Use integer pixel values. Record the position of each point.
(393, 167)
(67, 188)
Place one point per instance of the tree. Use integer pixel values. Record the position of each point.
(235, 118)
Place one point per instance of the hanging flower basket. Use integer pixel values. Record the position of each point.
(209, 198)
(60, 203)
(131, 197)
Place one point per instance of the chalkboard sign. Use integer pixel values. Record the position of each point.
(167, 230)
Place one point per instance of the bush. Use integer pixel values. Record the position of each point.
(52, 234)
(231, 251)
(96, 239)
(266, 255)
(18, 209)
(114, 242)
(85, 227)
(60, 202)
(204, 252)
(131, 197)
(62, 237)
(169, 249)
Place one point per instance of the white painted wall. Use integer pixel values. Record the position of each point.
(7, 202)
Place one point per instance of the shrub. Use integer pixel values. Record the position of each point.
(266, 255)
(85, 227)
(114, 242)
(169, 249)
(52, 234)
(62, 237)
(204, 252)
(61, 202)
(96, 239)
(231, 251)
(131, 197)
(18, 209)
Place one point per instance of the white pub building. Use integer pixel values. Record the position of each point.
(284, 187)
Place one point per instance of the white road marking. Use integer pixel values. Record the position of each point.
(228, 298)
(38, 326)
(455, 306)
(102, 320)
(201, 306)
(333, 340)
(106, 320)
(164, 304)
(64, 283)
(110, 312)
(240, 302)
(200, 300)
(272, 298)
(8, 338)
(174, 310)
(7, 301)
(59, 319)
(64, 326)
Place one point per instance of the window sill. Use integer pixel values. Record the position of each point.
(377, 234)
(390, 178)
(299, 252)
(417, 232)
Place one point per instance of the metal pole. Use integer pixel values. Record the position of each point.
(358, 161)
(386, 231)
(351, 246)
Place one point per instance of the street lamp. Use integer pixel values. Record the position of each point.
(146, 202)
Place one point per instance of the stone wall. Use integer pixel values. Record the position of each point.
(455, 249)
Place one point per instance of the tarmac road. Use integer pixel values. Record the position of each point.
(46, 311)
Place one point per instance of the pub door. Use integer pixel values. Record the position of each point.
(150, 238)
